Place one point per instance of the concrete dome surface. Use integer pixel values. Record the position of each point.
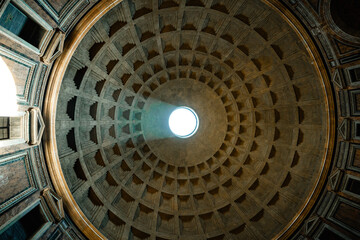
(262, 143)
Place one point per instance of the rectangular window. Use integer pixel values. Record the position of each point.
(20, 24)
(24, 25)
(27, 226)
(353, 186)
(355, 74)
(4, 128)
(327, 234)
(357, 130)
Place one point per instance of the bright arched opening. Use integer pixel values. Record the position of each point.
(8, 103)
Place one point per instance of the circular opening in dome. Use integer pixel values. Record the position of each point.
(183, 122)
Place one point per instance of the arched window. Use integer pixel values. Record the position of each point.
(16, 127)
(8, 102)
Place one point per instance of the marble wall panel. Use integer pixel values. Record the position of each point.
(16, 179)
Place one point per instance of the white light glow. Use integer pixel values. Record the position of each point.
(8, 103)
(183, 122)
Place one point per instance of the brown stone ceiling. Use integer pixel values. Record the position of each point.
(257, 155)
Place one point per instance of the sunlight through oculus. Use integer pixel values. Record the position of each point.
(183, 122)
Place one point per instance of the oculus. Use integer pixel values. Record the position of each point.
(183, 122)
